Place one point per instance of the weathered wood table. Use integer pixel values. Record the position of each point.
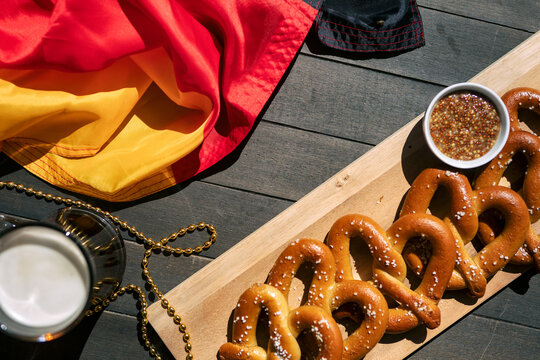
(329, 111)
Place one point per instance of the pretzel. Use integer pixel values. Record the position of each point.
(471, 273)
(528, 144)
(284, 327)
(389, 268)
(520, 98)
(329, 295)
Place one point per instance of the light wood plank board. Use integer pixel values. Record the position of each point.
(373, 185)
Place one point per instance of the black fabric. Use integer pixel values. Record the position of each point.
(369, 25)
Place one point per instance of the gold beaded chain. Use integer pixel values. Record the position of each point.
(150, 246)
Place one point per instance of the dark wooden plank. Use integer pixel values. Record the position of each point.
(457, 48)
(475, 337)
(346, 101)
(516, 14)
(287, 162)
(517, 303)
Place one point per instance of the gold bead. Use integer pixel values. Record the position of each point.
(58, 199)
(186, 337)
(188, 251)
(124, 225)
(177, 319)
(197, 249)
(152, 351)
(182, 231)
(171, 311)
(10, 185)
(132, 230)
(168, 248)
(164, 303)
(191, 227)
(147, 344)
(48, 197)
(201, 226)
(144, 262)
(106, 302)
(189, 356)
(158, 357)
(29, 191)
(19, 188)
(207, 244)
(178, 251)
(68, 201)
(182, 328)
(150, 281)
(188, 347)
(98, 308)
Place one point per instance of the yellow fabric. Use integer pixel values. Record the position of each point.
(117, 130)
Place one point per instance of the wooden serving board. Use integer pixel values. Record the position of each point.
(373, 185)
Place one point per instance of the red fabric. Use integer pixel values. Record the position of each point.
(233, 51)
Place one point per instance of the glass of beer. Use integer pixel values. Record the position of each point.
(54, 270)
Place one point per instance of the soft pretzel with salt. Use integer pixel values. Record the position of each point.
(284, 327)
(471, 272)
(329, 295)
(389, 268)
(520, 98)
(527, 144)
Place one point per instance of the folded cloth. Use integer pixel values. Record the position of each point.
(121, 99)
(370, 25)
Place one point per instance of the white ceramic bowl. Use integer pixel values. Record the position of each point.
(499, 143)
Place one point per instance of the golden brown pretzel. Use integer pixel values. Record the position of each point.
(520, 98)
(463, 220)
(284, 327)
(528, 144)
(497, 253)
(471, 273)
(326, 294)
(389, 268)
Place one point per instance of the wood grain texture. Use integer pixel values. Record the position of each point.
(515, 14)
(273, 165)
(364, 106)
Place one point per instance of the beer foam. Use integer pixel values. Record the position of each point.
(44, 277)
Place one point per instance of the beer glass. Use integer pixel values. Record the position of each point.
(52, 271)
